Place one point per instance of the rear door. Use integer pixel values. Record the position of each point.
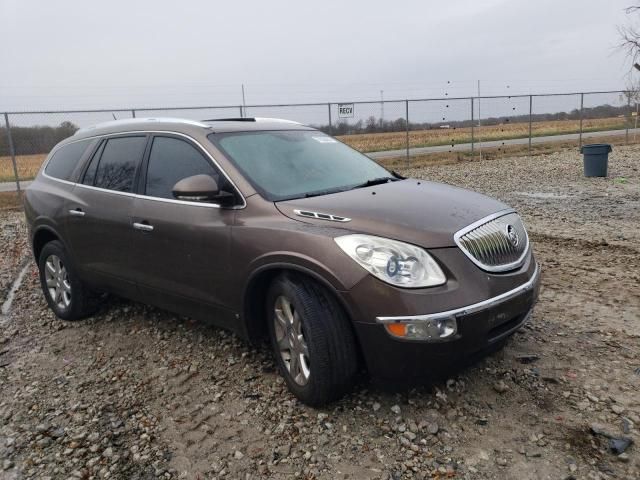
(100, 227)
(182, 248)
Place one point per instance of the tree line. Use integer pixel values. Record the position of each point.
(36, 139)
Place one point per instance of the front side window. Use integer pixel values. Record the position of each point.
(285, 164)
(172, 160)
(117, 165)
(65, 159)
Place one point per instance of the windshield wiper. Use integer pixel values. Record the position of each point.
(318, 193)
(374, 181)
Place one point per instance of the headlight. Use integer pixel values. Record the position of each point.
(391, 261)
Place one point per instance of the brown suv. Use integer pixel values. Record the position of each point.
(271, 228)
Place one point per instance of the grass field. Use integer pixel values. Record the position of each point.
(375, 142)
(494, 153)
(28, 165)
(10, 201)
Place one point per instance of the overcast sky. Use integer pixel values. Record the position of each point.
(86, 54)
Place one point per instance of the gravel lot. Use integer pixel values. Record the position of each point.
(137, 393)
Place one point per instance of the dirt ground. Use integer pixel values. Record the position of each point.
(137, 393)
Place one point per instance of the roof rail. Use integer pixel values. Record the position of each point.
(134, 121)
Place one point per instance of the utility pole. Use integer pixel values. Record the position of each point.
(381, 107)
(244, 103)
(479, 117)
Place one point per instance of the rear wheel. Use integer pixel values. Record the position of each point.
(66, 294)
(313, 342)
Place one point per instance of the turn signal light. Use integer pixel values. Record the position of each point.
(433, 330)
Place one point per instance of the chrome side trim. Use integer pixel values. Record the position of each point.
(148, 197)
(481, 222)
(143, 226)
(321, 216)
(469, 309)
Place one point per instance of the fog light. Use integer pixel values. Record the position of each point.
(429, 330)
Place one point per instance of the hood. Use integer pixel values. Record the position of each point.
(414, 211)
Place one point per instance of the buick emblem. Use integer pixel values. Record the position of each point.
(512, 235)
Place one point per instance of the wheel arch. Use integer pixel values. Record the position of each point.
(41, 236)
(255, 293)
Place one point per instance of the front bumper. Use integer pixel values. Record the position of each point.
(480, 326)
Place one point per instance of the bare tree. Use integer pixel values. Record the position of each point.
(630, 35)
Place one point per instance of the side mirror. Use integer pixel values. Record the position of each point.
(200, 188)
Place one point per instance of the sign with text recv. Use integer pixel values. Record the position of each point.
(345, 110)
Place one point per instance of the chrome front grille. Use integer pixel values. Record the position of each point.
(496, 243)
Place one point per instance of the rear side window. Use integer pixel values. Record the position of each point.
(116, 167)
(65, 159)
(172, 160)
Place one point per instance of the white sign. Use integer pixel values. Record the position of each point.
(345, 110)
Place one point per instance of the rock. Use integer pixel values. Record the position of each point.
(432, 428)
(283, 451)
(42, 428)
(618, 445)
(396, 409)
(527, 358)
(501, 461)
(7, 464)
(238, 455)
(617, 408)
(376, 406)
(410, 436)
(108, 452)
(500, 387)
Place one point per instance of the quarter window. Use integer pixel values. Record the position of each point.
(118, 162)
(172, 160)
(65, 159)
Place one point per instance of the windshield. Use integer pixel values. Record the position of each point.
(286, 164)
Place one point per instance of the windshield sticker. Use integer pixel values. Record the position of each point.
(325, 139)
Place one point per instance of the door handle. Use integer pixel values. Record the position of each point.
(77, 212)
(145, 227)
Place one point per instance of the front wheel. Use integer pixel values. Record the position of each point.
(313, 342)
(66, 294)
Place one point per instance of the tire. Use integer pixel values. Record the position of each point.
(321, 361)
(66, 294)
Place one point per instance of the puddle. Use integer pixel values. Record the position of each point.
(6, 306)
(543, 195)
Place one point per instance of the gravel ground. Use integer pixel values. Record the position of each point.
(138, 393)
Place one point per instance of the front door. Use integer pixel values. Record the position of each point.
(182, 248)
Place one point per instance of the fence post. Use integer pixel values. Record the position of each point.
(530, 120)
(628, 119)
(473, 139)
(329, 111)
(12, 151)
(133, 113)
(241, 114)
(581, 109)
(406, 109)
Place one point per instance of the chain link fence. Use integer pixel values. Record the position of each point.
(404, 130)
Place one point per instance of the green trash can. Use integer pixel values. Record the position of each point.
(596, 159)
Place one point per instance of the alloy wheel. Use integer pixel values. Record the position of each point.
(57, 280)
(290, 339)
